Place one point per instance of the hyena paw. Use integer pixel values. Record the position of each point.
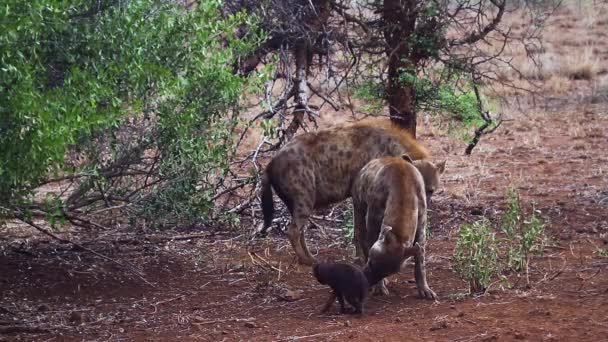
(426, 293)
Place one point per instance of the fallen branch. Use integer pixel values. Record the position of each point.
(236, 320)
(176, 238)
(295, 338)
(77, 245)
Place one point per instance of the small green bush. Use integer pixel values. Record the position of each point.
(480, 255)
(476, 256)
(523, 236)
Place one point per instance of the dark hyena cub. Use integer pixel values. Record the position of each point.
(346, 281)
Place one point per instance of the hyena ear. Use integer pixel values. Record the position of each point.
(441, 167)
(407, 158)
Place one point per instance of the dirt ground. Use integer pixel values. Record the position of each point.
(216, 285)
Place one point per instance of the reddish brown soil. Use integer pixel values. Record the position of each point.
(210, 288)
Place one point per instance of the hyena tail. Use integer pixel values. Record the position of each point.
(267, 202)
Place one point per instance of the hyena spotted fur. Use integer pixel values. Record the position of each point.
(318, 169)
(390, 212)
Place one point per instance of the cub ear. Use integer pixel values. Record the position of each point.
(385, 229)
(441, 167)
(407, 158)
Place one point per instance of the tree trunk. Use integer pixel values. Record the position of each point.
(400, 18)
(302, 54)
(300, 88)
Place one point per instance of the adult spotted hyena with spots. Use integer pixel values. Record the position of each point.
(390, 211)
(317, 169)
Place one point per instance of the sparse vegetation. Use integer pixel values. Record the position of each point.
(349, 224)
(476, 255)
(602, 252)
(373, 96)
(480, 254)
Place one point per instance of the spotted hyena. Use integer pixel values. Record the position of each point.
(390, 204)
(317, 169)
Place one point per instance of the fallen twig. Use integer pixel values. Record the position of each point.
(77, 245)
(237, 320)
(584, 280)
(295, 338)
(264, 261)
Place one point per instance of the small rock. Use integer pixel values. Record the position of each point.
(224, 332)
(453, 307)
(291, 295)
(250, 325)
(347, 324)
(460, 314)
(398, 320)
(439, 325)
(43, 308)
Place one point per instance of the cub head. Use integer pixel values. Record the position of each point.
(318, 272)
(385, 256)
(430, 173)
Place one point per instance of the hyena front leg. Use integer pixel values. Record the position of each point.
(359, 233)
(420, 269)
(374, 219)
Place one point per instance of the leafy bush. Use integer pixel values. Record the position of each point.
(476, 256)
(374, 95)
(480, 255)
(450, 97)
(523, 236)
(134, 92)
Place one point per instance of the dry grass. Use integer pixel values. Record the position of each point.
(580, 64)
(557, 84)
(573, 48)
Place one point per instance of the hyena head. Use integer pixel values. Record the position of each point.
(385, 255)
(430, 174)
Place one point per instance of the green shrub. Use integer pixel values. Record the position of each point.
(136, 91)
(476, 256)
(480, 255)
(523, 236)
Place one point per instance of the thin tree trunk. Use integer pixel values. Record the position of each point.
(301, 89)
(400, 20)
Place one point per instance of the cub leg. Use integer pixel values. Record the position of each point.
(330, 301)
(341, 300)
